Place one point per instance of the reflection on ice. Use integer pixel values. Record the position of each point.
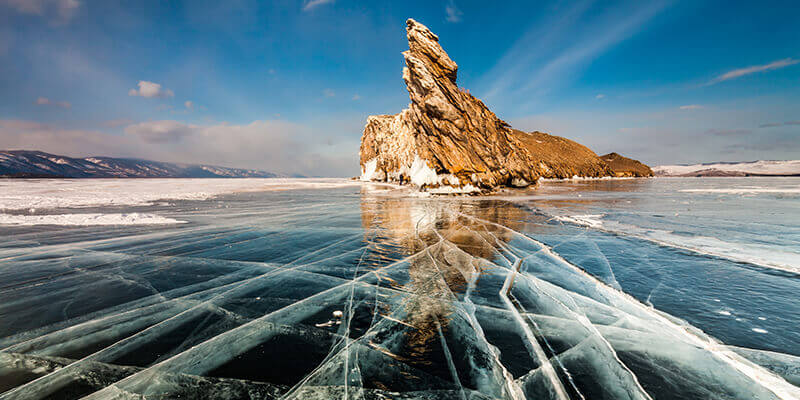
(368, 296)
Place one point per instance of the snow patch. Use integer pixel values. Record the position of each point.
(468, 188)
(590, 220)
(86, 219)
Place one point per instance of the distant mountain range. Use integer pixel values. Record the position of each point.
(752, 168)
(38, 164)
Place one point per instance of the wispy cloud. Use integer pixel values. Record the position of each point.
(777, 124)
(329, 93)
(160, 131)
(189, 105)
(691, 107)
(309, 5)
(59, 11)
(728, 132)
(554, 50)
(454, 14)
(356, 97)
(150, 90)
(600, 96)
(44, 101)
(738, 73)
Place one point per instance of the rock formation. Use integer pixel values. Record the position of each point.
(623, 166)
(449, 138)
(557, 157)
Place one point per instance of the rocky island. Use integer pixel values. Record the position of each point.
(448, 140)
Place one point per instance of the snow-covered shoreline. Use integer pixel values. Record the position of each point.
(26, 194)
(761, 167)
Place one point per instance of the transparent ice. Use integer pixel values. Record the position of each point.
(356, 292)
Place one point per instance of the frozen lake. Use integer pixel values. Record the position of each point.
(667, 288)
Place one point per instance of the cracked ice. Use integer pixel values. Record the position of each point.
(337, 293)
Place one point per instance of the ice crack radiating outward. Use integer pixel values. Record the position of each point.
(350, 295)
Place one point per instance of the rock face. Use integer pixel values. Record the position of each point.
(557, 157)
(622, 166)
(448, 138)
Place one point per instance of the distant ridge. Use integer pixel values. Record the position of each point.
(38, 164)
(748, 168)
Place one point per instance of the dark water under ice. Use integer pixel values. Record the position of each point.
(660, 288)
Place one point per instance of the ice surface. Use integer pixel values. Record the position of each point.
(710, 216)
(748, 190)
(751, 253)
(351, 293)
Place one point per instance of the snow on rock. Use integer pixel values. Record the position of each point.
(421, 174)
(369, 172)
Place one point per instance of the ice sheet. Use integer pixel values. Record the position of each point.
(339, 294)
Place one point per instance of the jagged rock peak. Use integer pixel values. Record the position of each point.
(446, 137)
(424, 45)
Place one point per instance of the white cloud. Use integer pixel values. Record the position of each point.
(309, 5)
(189, 105)
(356, 97)
(600, 96)
(776, 124)
(44, 101)
(59, 10)
(691, 107)
(328, 93)
(737, 73)
(454, 14)
(150, 90)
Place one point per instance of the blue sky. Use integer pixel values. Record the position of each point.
(287, 85)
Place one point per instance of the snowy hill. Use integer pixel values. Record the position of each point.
(38, 164)
(752, 168)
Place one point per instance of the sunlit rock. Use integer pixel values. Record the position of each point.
(448, 141)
